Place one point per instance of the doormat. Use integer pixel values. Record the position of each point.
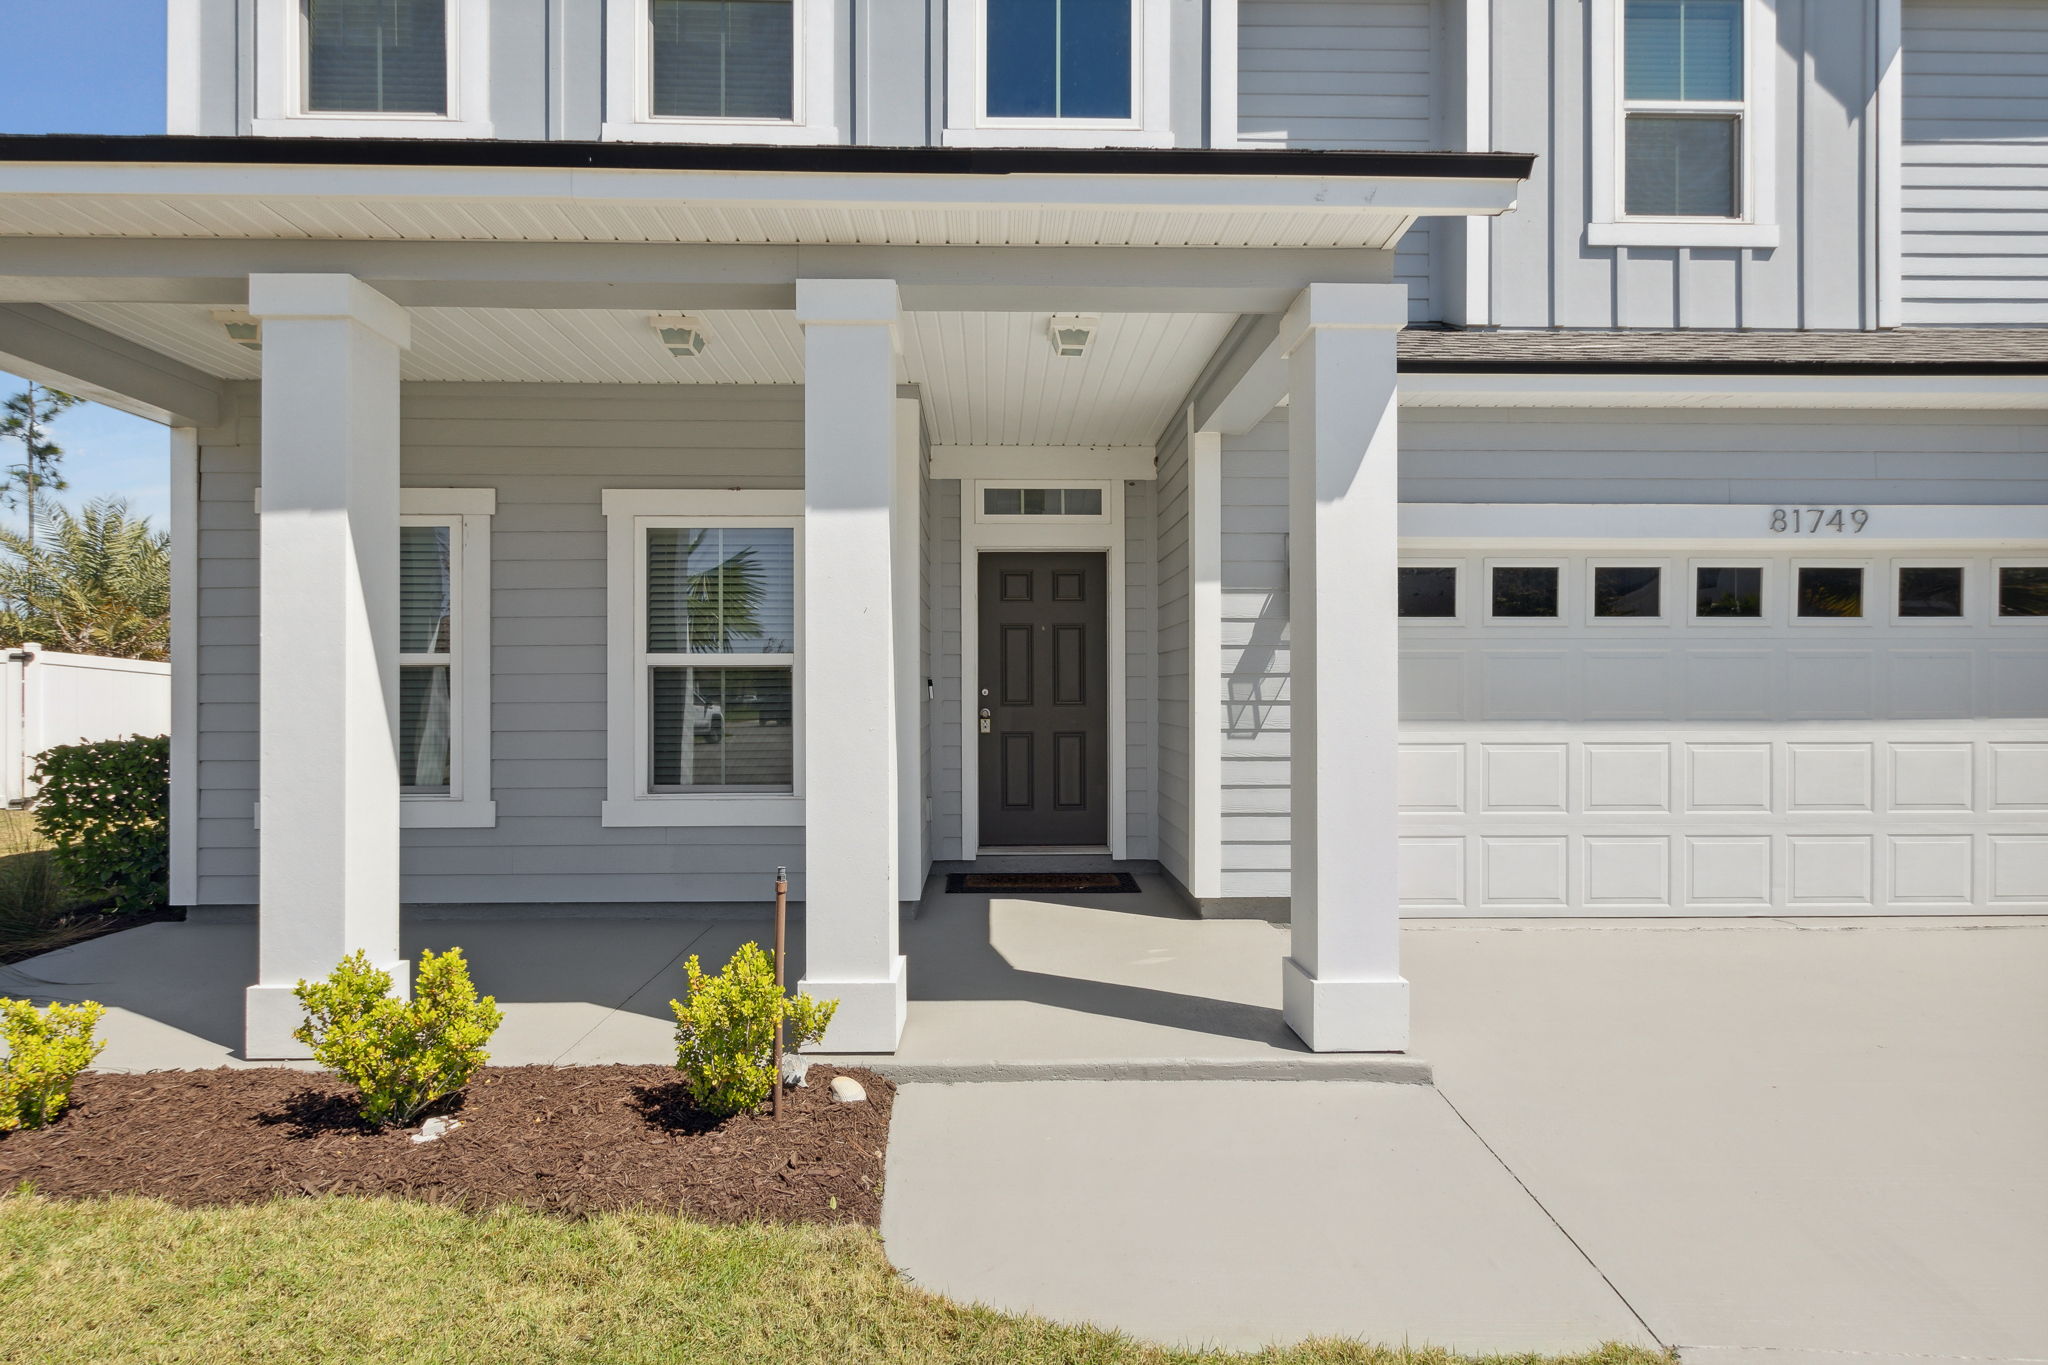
(1098, 883)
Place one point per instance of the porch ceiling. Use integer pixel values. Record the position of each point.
(987, 378)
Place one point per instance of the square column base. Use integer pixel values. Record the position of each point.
(1344, 1016)
(870, 1014)
(271, 1013)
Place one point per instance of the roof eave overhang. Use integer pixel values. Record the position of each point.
(1226, 180)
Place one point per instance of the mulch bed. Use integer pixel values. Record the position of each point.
(572, 1141)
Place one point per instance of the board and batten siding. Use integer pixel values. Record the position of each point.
(1505, 455)
(1823, 274)
(1347, 74)
(1974, 172)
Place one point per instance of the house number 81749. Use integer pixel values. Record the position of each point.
(1810, 520)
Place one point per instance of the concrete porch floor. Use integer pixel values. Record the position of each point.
(1075, 986)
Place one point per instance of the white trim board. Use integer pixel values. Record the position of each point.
(1974, 392)
(1659, 524)
(1105, 536)
(1044, 462)
(184, 877)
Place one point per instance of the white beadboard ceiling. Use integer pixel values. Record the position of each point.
(987, 378)
(457, 220)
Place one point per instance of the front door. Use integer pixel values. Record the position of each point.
(1043, 707)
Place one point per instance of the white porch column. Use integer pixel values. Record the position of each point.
(1342, 986)
(328, 543)
(851, 810)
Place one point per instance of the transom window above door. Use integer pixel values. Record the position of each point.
(1058, 73)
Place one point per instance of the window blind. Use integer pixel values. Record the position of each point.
(424, 727)
(1681, 166)
(423, 590)
(723, 58)
(721, 728)
(376, 56)
(1683, 50)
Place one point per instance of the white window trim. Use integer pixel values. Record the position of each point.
(280, 80)
(1151, 121)
(1610, 225)
(628, 513)
(1461, 595)
(1691, 586)
(467, 513)
(629, 60)
(1992, 592)
(1974, 591)
(1876, 604)
(1566, 588)
(1595, 621)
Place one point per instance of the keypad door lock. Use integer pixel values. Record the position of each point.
(987, 725)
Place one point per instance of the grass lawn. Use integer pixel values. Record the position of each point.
(352, 1280)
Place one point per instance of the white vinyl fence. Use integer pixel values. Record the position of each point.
(48, 699)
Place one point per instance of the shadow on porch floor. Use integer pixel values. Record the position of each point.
(995, 980)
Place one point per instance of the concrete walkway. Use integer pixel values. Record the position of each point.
(1759, 1142)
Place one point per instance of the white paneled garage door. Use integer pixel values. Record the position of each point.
(1704, 728)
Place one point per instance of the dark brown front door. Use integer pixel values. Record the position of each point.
(1044, 703)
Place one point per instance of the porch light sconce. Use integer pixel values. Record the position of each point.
(242, 329)
(1072, 335)
(685, 337)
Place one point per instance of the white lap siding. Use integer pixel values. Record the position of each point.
(1975, 163)
(1346, 74)
(1575, 770)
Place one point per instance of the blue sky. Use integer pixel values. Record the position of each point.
(91, 66)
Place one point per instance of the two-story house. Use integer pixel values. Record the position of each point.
(1357, 457)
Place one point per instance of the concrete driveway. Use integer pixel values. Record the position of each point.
(1777, 1142)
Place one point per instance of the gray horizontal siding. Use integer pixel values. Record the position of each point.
(549, 451)
(948, 828)
(1255, 662)
(1975, 164)
(1141, 668)
(1347, 74)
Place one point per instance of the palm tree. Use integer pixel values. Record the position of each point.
(29, 414)
(95, 583)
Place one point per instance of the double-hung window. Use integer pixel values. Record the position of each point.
(704, 692)
(444, 698)
(1681, 135)
(721, 71)
(373, 68)
(1070, 73)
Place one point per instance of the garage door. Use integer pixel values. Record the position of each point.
(1974, 178)
(1725, 725)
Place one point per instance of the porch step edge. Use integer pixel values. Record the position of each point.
(1386, 1069)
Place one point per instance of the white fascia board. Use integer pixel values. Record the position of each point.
(1428, 524)
(1722, 391)
(1237, 194)
(1043, 462)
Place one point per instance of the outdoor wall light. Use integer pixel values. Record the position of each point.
(1073, 335)
(242, 329)
(686, 337)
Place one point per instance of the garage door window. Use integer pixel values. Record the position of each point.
(1930, 590)
(1734, 591)
(1830, 591)
(1523, 591)
(1627, 590)
(1429, 591)
(2023, 590)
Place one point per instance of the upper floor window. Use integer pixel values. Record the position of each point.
(1682, 100)
(1679, 125)
(1058, 73)
(721, 71)
(1059, 59)
(376, 56)
(373, 68)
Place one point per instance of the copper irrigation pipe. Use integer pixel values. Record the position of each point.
(781, 933)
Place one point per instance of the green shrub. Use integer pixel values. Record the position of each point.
(401, 1055)
(46, 1049)
(105, 808)
(725, 1034)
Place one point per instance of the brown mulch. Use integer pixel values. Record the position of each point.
(572, 1141)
